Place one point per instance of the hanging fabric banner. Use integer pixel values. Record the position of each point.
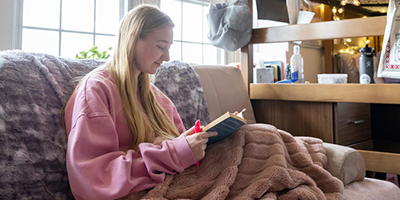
(389, 64)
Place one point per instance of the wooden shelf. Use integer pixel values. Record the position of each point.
(354, 93)
(362, 27)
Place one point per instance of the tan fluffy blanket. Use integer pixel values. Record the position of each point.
(256, 162)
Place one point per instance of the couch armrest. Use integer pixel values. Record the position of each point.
(345, 163)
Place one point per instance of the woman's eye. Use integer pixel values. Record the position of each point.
(162, 48)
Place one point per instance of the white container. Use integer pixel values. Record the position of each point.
(332, 78)
(263, 75)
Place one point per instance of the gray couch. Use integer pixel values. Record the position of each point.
(33, 87)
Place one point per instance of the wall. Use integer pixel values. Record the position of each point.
(6, 21)
(313, 56)
(8, 33)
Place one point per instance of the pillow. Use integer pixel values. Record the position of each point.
(180, 83)
(345, 163)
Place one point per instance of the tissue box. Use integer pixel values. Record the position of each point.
(332, 78)
(263, 75)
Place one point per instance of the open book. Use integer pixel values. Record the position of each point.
(224, 125)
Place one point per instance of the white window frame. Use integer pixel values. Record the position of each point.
(18, 18)
(221, 54)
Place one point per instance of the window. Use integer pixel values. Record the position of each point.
(269, 51)
(66, 27)
(191, 44)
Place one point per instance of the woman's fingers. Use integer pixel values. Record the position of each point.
(189, 131)
(198, 142)
(208, 134)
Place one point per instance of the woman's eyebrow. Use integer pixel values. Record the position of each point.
(165, 41)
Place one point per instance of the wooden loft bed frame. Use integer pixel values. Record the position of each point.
(375, 161)
(362, 27)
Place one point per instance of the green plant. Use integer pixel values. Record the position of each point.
(93, 53)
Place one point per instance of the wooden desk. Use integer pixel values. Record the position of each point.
(320, 110)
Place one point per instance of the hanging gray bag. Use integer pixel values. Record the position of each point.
(230, 24)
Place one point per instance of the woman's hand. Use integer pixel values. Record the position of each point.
(198, 142)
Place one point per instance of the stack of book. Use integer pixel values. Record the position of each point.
(279, 69)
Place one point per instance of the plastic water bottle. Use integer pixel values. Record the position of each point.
(296, 66)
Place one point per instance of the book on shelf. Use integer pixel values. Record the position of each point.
(224, 125)
(279, 69)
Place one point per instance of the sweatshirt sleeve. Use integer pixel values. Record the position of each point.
(98, 169)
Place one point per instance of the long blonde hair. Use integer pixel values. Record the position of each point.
(135, 25)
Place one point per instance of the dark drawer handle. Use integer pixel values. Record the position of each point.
(357, 122)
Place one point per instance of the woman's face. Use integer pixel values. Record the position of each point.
(152, 50)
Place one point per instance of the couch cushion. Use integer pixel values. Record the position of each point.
(33, 87)
(371, 189)
(225, 90)
(179, 82)
(345, 163)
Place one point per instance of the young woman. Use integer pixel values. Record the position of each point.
(115, 114)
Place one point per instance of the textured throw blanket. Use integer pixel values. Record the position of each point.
(256, 162)
(33, 88)
(180, 83)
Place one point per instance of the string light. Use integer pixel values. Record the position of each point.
(354, 2)
(337, 13)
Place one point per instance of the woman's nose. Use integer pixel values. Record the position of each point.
(165, 56)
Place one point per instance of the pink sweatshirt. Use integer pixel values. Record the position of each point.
(100, 164)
